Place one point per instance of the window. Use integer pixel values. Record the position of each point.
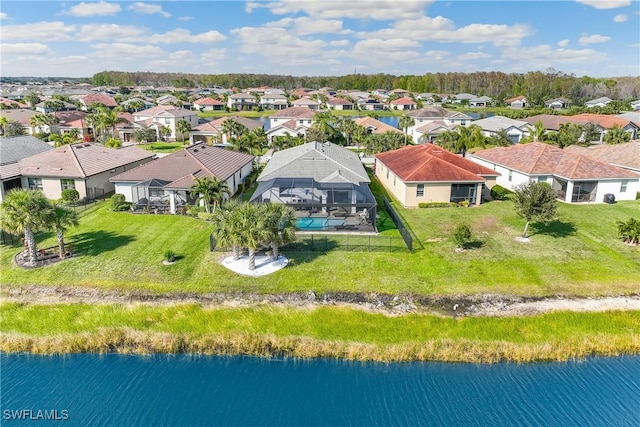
(623, 186)
(156, 192)
(387, 173)
(463, 122)
(34, 183)
(542, 178)
(167, 121)
(510, 176)
(68, 184)
(420, 190)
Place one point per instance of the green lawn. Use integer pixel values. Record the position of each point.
(324, 331)
(578, 255)
(163, 147)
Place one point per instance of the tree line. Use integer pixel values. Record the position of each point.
(537, 86)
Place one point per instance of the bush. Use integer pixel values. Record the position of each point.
(119, 203)
(113, 143)
(629, 231)
(498, 192)
(437, 205)
(70, 195)
(464, 204)
(170, 255)
(195, 210)
(461, 235)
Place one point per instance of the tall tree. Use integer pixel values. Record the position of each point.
(535, 201)
(212, 192)
(536, 132)
(225, 227)
(348, 128)
(26, 212)
(4, 121)
(322, 127)
(60, 219)
(183, 127)
(405, 123)
(500, 139)
(616, 135)
(280, 226)
(251, 229)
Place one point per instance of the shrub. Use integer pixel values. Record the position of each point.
(170, 255)
(437, 205)
(498, 192)
(113, 143)
(464, 204)
(195, 210)
(70, 195)
(461, 235)
(629, 231)
(119, 203)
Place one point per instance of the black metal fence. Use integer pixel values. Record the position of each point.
(404, 231)
(340, 242)
(9, 239)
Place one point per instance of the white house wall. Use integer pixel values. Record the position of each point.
(613, 187)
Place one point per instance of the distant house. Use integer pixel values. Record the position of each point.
(144, 103)
(165, 183)
(165, 115)
(303, 116)
(72, 121)
(213, 130)
(635, 105)
(607, 122)
(517, 102)
(375, 126)
(13, 150)
(370, 104)
(428, 173)
(83, 167)
(44, 108)
(339, 104)
(463, 97)
(480, 102)
(626, 156)
(97, 98)
(404, 103)
(241, 101)
(22, 116)
(598, 102)
(7, 103)
(441, 117)
(516, 129)
(274, 101)
(557, 103)
(574, 177)
(324, 181)
(309, 103)
(208, 104)
(550, 122)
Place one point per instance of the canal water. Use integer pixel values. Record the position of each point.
(183, 390)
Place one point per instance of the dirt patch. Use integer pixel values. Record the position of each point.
(389, 304)
(23, 260)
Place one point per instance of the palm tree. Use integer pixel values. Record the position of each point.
(226, 222)
(500, 138)
(25, 211)
(616, 135)
(3, 122)
(348, 128)
(212, 191)
(279, 224)
(60, 218)
(405, 123)
(537, 132)
(323, 126)
(183, 127)
(251, 230)
(36, 122)
(360, 135)
(165, 131)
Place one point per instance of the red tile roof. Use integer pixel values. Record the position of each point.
(542, 159)
(515, 98)
(403, 101)
(295, 113)
(100, 98)
(431, 163)
(603, 120)
(376, 125)
(208, 101)
(338, 101)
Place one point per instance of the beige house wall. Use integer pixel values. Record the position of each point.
(433, 192)
(391, 182)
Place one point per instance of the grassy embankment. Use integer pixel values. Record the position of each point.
(322, 332)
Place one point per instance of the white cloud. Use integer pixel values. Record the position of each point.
(44, 31)
(100, 8)
(214, 55)
(3, 15)
(67, 60)
(339, 43)
(563, 43)
(24, 49)
(436, 55)
(148, 9)
(185, 18)
(387, 51)
(125, 52)
(473, 56)
(606, 4)
(180, 35)
(115, 32)
(620, 18)
(381, 10)
(305, 26)
(542, 56)
(594, 38)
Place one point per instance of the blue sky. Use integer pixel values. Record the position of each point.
(598, 38)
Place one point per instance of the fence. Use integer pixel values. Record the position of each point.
(9, 239)
(404, 231)
(340, 242)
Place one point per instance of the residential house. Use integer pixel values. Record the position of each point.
(326, 184)
(340, 104)
(13, 150)
(165, 115)
(516, 129)
(292, 121)
(550, 122)
(72, 121)
(83, 167)
(598, 102)
(404, 103)
(517, 102)
(165, 183)
(480, 102)
(97, 98)
(427, 97)
(307, 102)
(626, 156)
(574, 177)
(374, 126)
(44, 108)
(214, 130)
(274, 101)
(22, 116)
(606, 122)
(370, 104)
(461, 98)
(208, 104)
(557, 103)
(146, 104)
(7, 103)
(241, 101)
(428, 173)
(430, 121)
(635, 105)
(399, 92)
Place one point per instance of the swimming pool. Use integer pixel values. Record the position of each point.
(316, 224)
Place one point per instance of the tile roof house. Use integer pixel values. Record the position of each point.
(481, 101)
(208, 104)
(428, 173)
(626, 156)
(575, 177)
(97, 98)
(606, 122)
(336, 103)
(22, 116)
(213, 131)
(374, 126)
(13, 150)
(291, 121)
(557, 103)
(516, 102)
(516, 129)
(441, 117)
(307, 102)
(404, 103)
(325, 180)
(165, 115)
(274, 101)
(85, 167)
(165, 182)
(241, 101)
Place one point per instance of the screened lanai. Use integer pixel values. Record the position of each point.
(320, 199)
